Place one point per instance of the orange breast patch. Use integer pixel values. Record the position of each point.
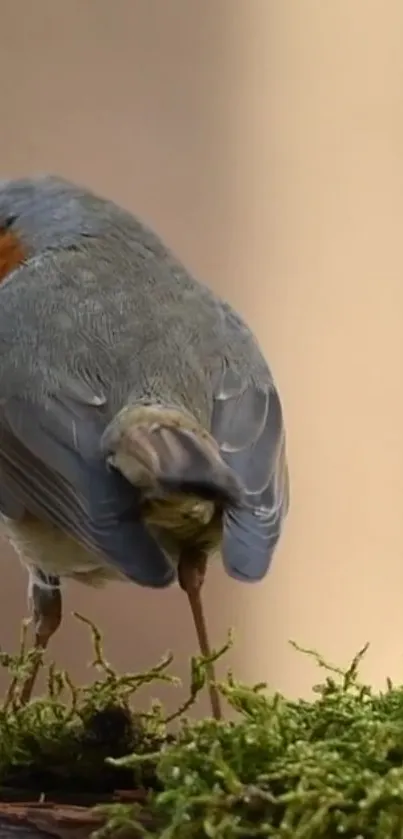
(12, 253)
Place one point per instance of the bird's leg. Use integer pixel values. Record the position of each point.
(191, 574)
(46, 600)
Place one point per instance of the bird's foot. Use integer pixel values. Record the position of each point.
(191, 575)
(46, 601)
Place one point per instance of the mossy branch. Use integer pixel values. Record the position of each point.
(289, 769)
(295, 770)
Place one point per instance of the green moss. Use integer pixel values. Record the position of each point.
(60, 741)
(327, 768)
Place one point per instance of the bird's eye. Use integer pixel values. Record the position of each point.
(8, 222)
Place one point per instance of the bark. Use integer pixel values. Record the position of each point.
(39, 820)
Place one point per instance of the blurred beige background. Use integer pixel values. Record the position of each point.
(263, 139)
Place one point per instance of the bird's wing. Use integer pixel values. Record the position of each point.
(248, 426)
(51, 467)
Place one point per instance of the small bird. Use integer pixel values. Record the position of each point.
(140, 427)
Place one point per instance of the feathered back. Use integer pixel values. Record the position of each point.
(101, 315)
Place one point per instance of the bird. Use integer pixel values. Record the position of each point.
(141, 430)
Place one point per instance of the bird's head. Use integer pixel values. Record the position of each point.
(43, 213)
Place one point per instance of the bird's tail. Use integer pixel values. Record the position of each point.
(164, 450)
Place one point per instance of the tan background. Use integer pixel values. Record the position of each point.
(264, 141)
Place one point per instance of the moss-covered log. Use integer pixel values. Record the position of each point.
(287, 769)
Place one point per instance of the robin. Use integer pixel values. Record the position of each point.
(140, 427)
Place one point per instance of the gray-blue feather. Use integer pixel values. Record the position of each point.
(51, 466)
(248, 425)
